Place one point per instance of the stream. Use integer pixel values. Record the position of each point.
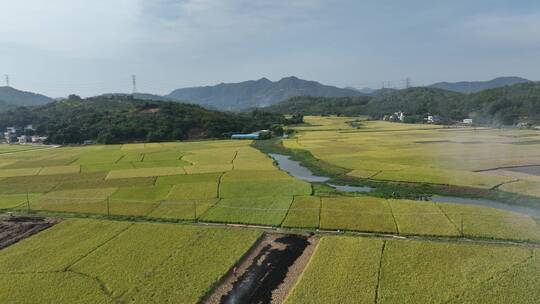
(295, 169)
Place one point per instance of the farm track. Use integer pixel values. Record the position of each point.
(267, 272)
(38, 149)
(318, 232)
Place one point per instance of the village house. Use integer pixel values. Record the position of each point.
(10, 135)
(397, 116)
(433, 119)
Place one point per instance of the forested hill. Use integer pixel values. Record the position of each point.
(10, 97)
(504, 105)
(256, 93)
(123, 119)
(477, 86)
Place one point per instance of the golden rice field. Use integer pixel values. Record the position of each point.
(128, 257)
(223, 182)
(424, 153)
(362, 270)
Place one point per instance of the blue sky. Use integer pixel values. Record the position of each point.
(58, 47)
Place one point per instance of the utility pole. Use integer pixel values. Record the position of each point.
(134, 82)
(7, 80)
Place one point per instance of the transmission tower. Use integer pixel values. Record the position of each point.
(407, 82)
(7, 80)
(134, 82)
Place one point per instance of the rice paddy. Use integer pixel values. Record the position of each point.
(89, 261)
(357, 270)
(226, 182)
(424, 153)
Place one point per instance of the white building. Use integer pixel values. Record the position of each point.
(468, 121)
(433, 119)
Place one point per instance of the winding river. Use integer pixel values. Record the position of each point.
(295, 169)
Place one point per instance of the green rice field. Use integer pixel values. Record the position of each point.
(358, 270)
(91, 261)
(458, 156)
(149, 223)
(224, 182)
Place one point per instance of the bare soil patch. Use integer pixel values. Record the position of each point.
(268, 271)
(16, 228)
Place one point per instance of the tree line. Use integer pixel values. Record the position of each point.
(119, 119)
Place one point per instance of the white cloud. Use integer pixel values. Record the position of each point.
(191, 22)
(507, 31)
(71, 27)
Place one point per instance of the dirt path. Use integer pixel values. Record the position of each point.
(267, 272)
(16, 228)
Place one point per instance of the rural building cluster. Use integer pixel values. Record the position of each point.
(26, 135)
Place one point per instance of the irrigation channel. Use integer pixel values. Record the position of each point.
(295, 169)
(267, 272)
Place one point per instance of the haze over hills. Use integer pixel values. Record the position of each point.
(506, 105)
(13, 97)
(256, 93)
(477, 86)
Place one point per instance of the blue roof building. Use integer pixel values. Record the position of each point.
(263, 134)
(245, 136)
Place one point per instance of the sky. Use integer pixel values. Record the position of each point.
(59, 47)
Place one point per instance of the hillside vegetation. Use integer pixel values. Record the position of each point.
(13, 97)
(504, 105)
(256, 93)
(477, 86)
(123, 119)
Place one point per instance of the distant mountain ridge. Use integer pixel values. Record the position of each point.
(477, 86)
(505, 105)
(13, 97)
(256, 93)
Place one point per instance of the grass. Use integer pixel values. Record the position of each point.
(193, 191)
(141, 193)
(431, 272)
(519, 284)
(184, 210)
(145, 172)
(197, 266)
(358, 214)
(232, 182)
(342, 270)
(478, 221)
(371, 270)
(58, 247)
(422, 218)
(190, 178)
(304, 212)
(260, 188)
(411, 153)
(80, 200)
(64, 287)
(270, 210)
(109, 262)
(19, 172)
(60, 170)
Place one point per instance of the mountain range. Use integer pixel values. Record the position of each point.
(257, 93)
(477, 86)
(10, 97)
(505, 105)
